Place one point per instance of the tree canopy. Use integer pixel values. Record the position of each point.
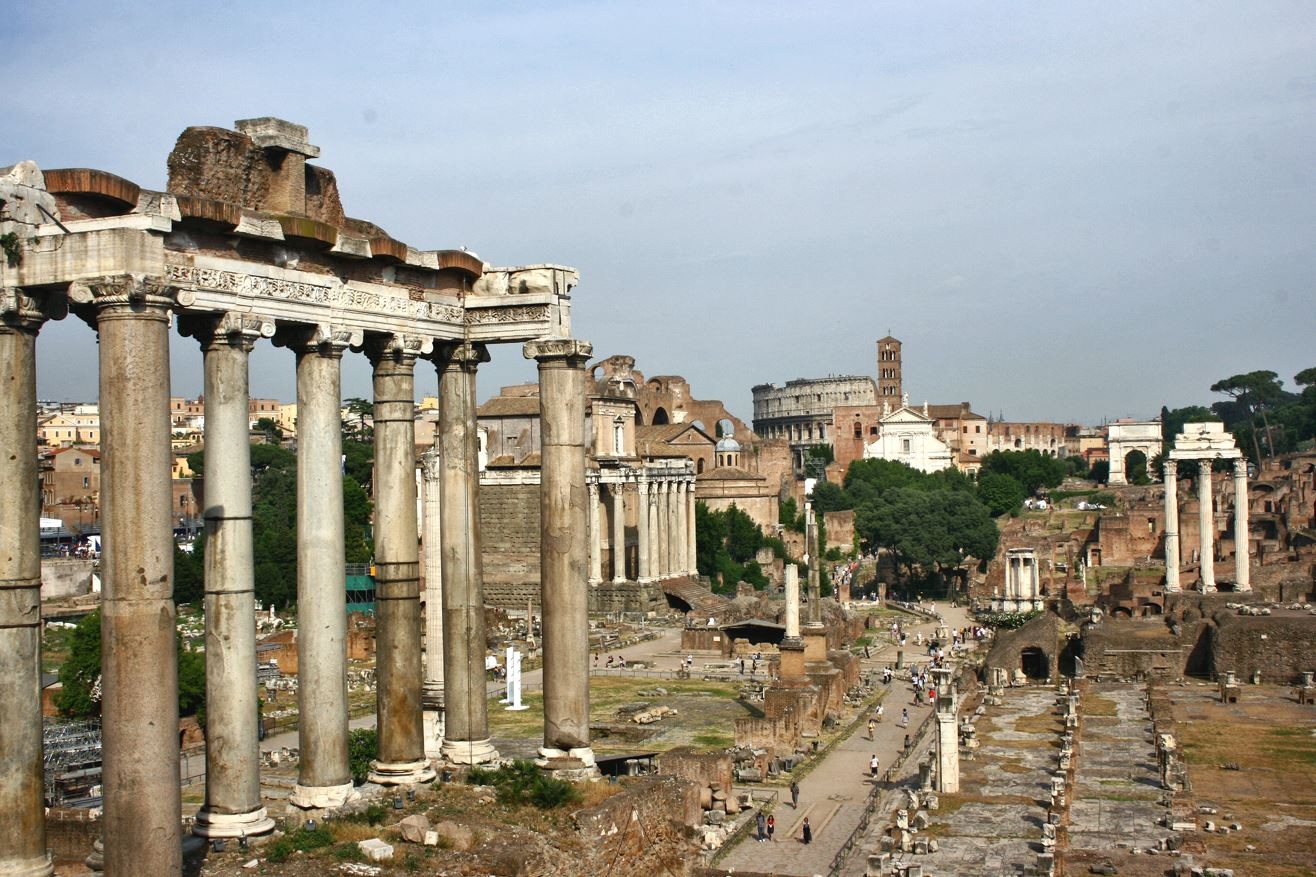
(1264, 418)
(725, 545)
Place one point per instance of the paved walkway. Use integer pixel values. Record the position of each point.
(834, 794)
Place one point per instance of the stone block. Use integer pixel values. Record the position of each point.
(376, 850)
(431, 838)
(458, 837)
(414, 828)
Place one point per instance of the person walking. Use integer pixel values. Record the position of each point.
(761, 823)
(880, 710)
(904, 717)
(806, 833)
(872, 726)
(873, 765)
(772, 828)
(795, 795)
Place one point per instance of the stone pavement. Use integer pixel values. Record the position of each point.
(834, 794)
(1117, 801)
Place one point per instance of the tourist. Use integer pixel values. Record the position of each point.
(795, 795)
(906, 742)
(872, 726)
(880, 709)
(609, 661)
(772, 828)
(806, 833)
(761, 825)
(904, 717)
(873, 765)
(742, 666)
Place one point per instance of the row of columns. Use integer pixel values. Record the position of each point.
(1206, 527)
(665, 528)
(140, 754)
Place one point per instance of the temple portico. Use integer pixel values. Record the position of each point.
(1204, 443)
(1023, 585)
(250, 243)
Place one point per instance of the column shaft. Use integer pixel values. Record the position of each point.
(1242, 545)
(324, 777)
(563, 550)
(618, 531)
(430, 468)
(1171, 470)
(397, 570)
(792, 601)
(644, 571)
(1206, 522)
(466, 717)
(682, 543)
(655, 531)
(233, 803)
(23, 843)
(692, 547)
(595, 537)
(142, 826)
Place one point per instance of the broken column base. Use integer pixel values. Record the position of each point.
(433, 731)
(322, 797)
(469, 751)
(211, 824)
(38, 867)
(572, 764)
(406, 773)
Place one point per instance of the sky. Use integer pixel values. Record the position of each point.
(1072, 211)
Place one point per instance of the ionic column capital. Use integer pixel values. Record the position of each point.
(465, 355)
(323, 339)
(573, 353)
(229, 329)
(126, 295)
(431, 464)
(403, 350)
(24, 312)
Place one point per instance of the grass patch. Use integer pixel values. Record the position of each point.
(521, 782)
(299, 840)
(713, 741)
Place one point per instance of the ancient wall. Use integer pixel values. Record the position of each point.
(65, 577)
(614, 597)
(509, 533)
(641, 831)
(1279, 646)
(840, 529)
(70, 832)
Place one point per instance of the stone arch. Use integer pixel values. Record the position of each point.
(725, 428)
(660, 416)
(1135, 467)
(699, 466)
(1034, 662)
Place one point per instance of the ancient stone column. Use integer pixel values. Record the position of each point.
(690, 530)
(1242, 545)
(397, 567)
(948, 744)
(1206, 522)
(23, 840)
(466, 717)
(595, 536)
(432, 690)
(644, 572)
(142, 825)
(681, 531)
(669, 528)
(815, 587)
(233, 803)
(324, 778)
(618, 540)
(792, 645)
(1171, 468)
(655, 531)
(563, 551)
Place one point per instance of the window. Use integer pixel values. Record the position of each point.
(977, 428)
(858, 430)
(86, 482)
(906, 446)
(618, 436)
(872, 430)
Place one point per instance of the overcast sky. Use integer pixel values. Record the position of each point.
(1066, 211)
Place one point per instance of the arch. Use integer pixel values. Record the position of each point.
(1135, 467)
(660, 417)
(699, 466)
(725, 428)
(1151, 609)
(699, 425)
(1035, 663)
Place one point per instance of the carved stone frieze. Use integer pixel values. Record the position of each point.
(516, 314)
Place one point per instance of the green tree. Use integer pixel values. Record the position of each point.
(188, 572)
(1032, 469)
(1001, 493)
(827, 497)
(1254, 394)
(273, 432)
(1135, 467)
(1100, 471)
(358, 411)
(79, 674)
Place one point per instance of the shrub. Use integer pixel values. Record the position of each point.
(302, 839)
(362, 748)
(521, 782)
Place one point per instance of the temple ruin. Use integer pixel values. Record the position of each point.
(249, 242)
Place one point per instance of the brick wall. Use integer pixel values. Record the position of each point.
(1279, 646)
(509, 533)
